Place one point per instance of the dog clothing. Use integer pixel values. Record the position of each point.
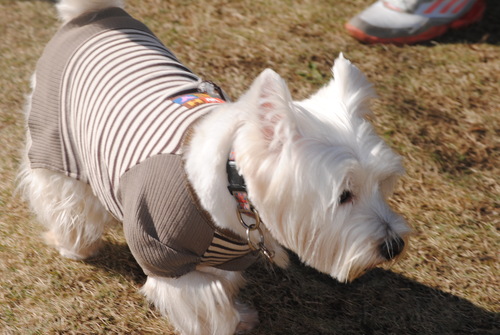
(110, 108)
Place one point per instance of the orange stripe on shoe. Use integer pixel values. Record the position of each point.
(450, 4)
(433, 7)
(475, 14)
(459, 7)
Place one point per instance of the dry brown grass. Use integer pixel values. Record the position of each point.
(439, 107)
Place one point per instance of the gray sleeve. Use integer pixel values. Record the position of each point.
(164, 230)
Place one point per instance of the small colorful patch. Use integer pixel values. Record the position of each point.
(196, 99)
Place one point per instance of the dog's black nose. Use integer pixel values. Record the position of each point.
(391, 248)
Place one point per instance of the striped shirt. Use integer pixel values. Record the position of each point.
(110, 97)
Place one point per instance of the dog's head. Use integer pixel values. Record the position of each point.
(318, 173)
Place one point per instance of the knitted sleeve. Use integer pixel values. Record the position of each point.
(164, 230)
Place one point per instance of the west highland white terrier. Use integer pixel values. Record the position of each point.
(119, 129)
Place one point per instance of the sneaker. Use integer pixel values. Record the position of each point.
(412, 21)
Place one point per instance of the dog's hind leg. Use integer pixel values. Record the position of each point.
(74, 217)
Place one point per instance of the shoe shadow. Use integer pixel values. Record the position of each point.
(302, 301)
(485, 31)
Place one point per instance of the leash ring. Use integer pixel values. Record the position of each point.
(255, 246)
(253, 226)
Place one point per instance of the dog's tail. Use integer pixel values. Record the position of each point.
(69, 9)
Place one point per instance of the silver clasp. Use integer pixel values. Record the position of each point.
(259, 244)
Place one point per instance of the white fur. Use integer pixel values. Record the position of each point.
(74, 217)
(206, 295)
(297, 159)
(69, 9)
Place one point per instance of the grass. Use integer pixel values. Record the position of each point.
(439, 107)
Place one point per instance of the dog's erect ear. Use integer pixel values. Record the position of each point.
(352, 87)
(273, 105)
(348, 90)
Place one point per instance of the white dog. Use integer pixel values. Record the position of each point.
(119, 128)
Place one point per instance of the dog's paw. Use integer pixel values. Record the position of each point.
(249, 318)
(73, 253)
(77, 256)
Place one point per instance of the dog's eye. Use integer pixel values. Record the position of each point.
(346, 196)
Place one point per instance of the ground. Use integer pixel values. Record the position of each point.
(438, 107)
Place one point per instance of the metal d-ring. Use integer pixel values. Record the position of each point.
(255, 246)
(260, 245)
(255, 213)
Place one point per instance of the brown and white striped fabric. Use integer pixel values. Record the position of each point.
(102, 107)
(223, 249)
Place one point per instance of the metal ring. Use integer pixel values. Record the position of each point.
(260, 246)
(255, 246)
(269, 254)
(253, 226)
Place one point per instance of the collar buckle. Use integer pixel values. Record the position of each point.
(237, 187)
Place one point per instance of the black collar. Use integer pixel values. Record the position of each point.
(237, 186)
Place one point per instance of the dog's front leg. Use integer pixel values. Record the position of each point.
(201, 302)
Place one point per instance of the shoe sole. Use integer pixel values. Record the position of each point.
(473, 15)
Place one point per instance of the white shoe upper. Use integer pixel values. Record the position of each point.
(413, 14)
(382, 16)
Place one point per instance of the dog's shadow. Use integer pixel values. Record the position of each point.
(116, 257)
(302, 301)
